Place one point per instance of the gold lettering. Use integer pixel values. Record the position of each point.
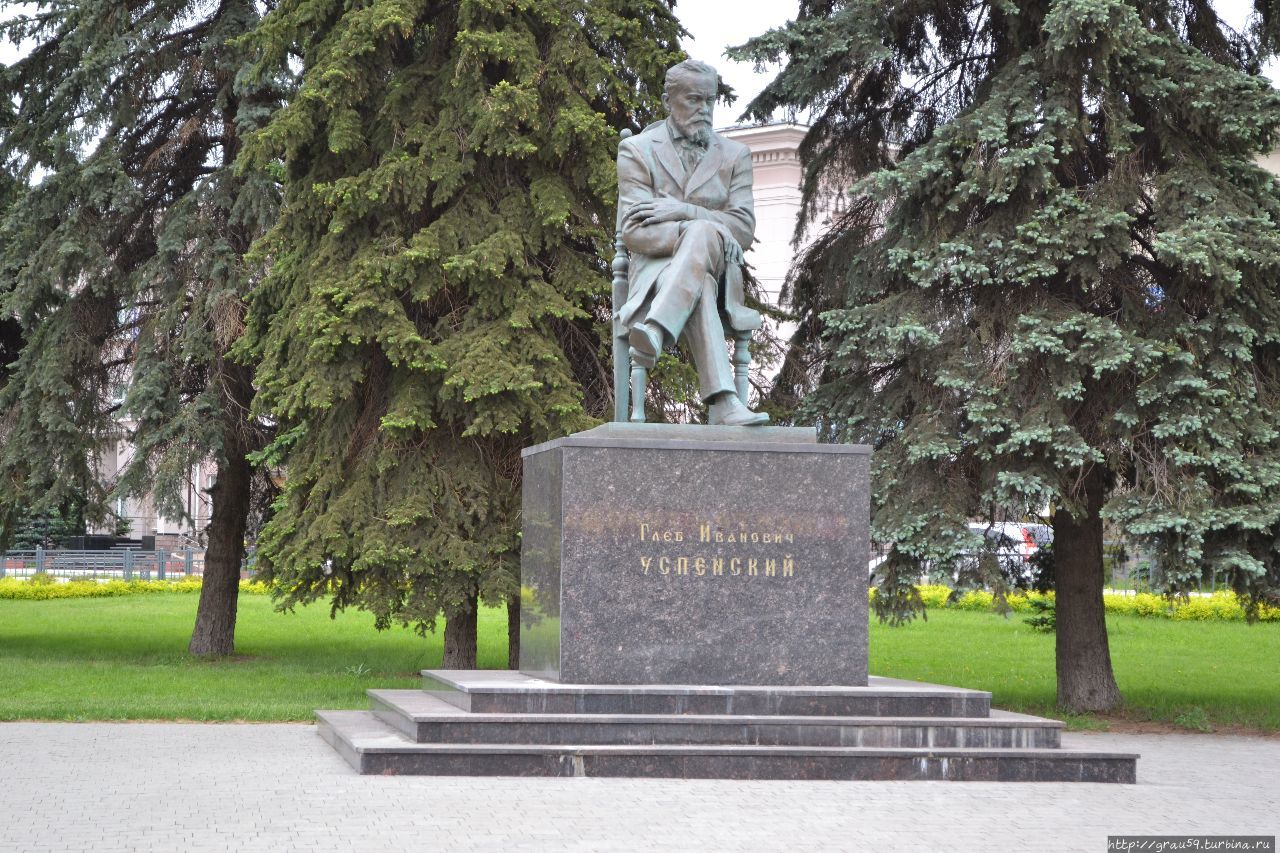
(734, 568)
(679, 535)
(770, 568)
(788, 567)
(666, 536)
(790, 538)
(719, 536)
(704, 532)
(753, 566)
(644, 528)
(647, 562)
(717, 565)
(755, 537)
(699, 566)
(766, 538)
(682, 565)
(663, 566)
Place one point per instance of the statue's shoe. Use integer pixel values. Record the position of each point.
(729, 411)
(645, 345)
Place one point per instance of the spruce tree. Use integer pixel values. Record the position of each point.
(11, 339)
(47, 529)
(438, 295)
(122, 258)
(1055, 284)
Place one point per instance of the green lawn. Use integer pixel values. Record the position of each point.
(1192, 674)
(124, 658)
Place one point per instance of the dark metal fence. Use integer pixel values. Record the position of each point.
(119, 564)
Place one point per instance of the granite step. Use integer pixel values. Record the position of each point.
(424, 718)
(508, 692)
(372, 746)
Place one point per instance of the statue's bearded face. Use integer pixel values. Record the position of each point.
(691, 103)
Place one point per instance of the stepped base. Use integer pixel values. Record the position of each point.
(426, 719)
(508, 692)
(509, 724)
(373, 747)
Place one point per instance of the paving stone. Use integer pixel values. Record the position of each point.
(169, 787)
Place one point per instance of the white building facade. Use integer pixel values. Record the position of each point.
(138, 515)
(775, 163)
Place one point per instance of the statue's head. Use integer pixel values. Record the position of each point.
(689, 95)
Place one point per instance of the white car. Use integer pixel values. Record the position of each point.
(1013, 544)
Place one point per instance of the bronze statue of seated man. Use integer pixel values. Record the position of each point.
(687, 214)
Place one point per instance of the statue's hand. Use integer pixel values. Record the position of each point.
(655, 210)
(732, 251)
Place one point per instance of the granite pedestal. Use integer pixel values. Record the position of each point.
(658, 553)
(695, 606)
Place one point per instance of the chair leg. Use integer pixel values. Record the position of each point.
(621, 379)
(639, 380)
(742, 363)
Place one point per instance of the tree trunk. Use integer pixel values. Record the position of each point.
(215, 630)
(513, 632)
(1085, 680)
(460, 637)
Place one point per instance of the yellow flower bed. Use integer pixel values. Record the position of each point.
(1221, 606)
(37, 589)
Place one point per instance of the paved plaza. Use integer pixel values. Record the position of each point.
(190, 787)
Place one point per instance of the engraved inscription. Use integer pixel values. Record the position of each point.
(725, 557)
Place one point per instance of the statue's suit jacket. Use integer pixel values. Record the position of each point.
(650, 166)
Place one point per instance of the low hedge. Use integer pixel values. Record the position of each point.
(46, 588)
(1220, 606)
